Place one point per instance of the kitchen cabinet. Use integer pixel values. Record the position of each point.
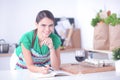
(68, 57)
(4, 62)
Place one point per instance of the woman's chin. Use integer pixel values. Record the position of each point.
(46, 36)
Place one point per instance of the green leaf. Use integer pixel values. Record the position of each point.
(116, 53)
(112, 20)
(96, 20)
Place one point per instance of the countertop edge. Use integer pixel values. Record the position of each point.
(62, 51)
(5, 54)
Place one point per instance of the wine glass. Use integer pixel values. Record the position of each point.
(80, 55)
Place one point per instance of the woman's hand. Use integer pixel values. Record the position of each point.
(54, 54)
(48, 42)
(44, 70)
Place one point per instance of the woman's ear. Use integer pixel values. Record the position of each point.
(36, 24)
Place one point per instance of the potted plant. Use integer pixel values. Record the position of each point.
(116, 57)
(116, 53)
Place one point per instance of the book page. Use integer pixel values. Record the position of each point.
(60, 73)
(51, 74)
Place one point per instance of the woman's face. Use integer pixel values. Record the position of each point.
(45, 27)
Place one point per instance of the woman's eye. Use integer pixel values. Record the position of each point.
(52, 25)
(43, 25)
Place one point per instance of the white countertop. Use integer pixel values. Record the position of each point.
(26, 75)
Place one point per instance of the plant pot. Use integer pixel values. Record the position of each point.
(117, 66)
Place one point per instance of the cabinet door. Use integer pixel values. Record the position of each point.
(4, 63)
(68, 57)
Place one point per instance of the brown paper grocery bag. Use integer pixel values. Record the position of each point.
(114, 36)
(101, 37)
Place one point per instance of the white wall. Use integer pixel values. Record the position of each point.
(17, 17)
(86, 10)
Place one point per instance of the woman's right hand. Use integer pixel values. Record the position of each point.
(44, 70)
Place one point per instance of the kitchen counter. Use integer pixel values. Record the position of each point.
(26, 75)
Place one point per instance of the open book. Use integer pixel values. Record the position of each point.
(51, 74)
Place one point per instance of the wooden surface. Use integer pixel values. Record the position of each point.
(75, 39)
(5, 54)
(69, 49)
(85, 68)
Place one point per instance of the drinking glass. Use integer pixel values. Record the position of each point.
(80, 55)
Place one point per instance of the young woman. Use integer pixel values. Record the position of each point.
(39, 48)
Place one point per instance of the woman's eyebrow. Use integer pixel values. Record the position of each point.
(51, 25)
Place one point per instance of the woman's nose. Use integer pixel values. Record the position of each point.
(47, 28)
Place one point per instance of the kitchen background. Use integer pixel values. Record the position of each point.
(18, 16)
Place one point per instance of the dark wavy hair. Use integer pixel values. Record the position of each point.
(44, 13)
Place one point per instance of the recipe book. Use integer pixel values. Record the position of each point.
(52, 74)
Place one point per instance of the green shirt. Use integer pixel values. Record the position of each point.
(27, 38)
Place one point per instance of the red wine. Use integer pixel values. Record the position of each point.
(79, 58)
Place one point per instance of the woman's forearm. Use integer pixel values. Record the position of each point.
(55, 59)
